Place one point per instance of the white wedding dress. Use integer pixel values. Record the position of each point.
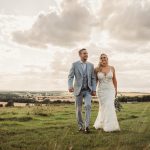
(106, 119)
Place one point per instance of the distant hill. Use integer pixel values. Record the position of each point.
(63, 93)
(132, 94)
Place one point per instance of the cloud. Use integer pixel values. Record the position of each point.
(120, 30)
(132, 69)
(25, 8)
(126, 20)
(35, 79)
(65, 28)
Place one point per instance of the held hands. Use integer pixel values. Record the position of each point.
(93, 93)
(71, 89)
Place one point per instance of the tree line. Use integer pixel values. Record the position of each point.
(27, 99)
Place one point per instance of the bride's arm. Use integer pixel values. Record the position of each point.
(95, 72)
(114, 80)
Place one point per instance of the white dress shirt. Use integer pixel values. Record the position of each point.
(83, 64)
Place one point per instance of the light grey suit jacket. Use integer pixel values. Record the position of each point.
(77, 72)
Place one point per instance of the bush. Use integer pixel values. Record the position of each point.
(144, 98)
(10, 103)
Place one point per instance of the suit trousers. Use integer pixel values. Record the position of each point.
(86, 95)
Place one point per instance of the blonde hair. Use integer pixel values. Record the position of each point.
(99, 66)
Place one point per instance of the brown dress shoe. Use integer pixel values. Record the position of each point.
(87, 130)
(80, 129)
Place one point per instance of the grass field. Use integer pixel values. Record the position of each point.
(54, 128)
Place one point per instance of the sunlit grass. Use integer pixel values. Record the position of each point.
(54, 127)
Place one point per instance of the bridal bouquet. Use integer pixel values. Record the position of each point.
(118, 105)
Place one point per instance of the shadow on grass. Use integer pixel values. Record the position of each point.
(128, 117)
(21, 119)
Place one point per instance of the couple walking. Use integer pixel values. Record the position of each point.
(86, 80)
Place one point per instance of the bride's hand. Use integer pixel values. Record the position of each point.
(93, 93)
(115, 93)
(71, 90)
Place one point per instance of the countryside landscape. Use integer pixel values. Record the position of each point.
(51, 48)
(50, 123)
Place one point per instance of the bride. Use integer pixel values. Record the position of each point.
(107, 91)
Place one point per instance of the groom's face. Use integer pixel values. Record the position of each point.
(84, 55)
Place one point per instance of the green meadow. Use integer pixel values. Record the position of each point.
(54, 127)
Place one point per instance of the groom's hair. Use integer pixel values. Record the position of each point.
(80, 51)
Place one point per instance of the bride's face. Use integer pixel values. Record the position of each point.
(104, 59)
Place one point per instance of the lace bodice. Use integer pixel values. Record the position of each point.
(105, 80)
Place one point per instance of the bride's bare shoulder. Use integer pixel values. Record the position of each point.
(112, 68)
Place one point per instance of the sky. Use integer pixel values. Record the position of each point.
(40, 39)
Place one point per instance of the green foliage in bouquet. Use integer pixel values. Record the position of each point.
(118, 105)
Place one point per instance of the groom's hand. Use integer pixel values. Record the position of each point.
(71, 89)
(93, 93)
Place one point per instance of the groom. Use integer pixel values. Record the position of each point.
(84, 87)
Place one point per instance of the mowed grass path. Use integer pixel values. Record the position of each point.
(54, 128)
